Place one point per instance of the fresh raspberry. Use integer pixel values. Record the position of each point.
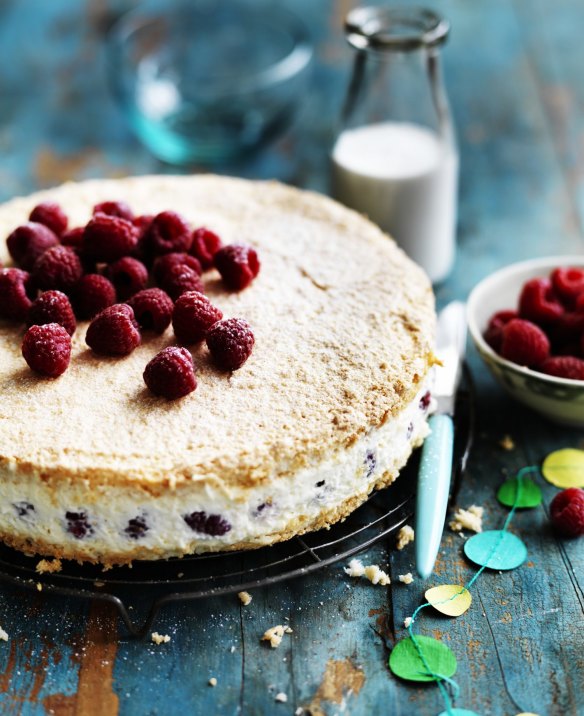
(538, 302)
(171, 373)
(564, 367)
(142, 222)
(524, 343)
(163, 263)
(52, 307)
(28, 242)
(192, 317)
(114, 331)
(569, 325)
(92, 294)
(152, 309)
(568, 283)
(213, 525)
(114, 208)
(73, 238)
(47, 349)
(179, 279)
(494, 333)
(567, 512)
(58, 268)
(128, 275)
(238, 265)
(168, 233)
(230, 342)
(204, 247)
(17, 290)
(50, 214)
(108, 238)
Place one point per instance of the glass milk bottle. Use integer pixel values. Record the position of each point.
(395, 158)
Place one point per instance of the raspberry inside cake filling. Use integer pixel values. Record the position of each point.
(330, 400)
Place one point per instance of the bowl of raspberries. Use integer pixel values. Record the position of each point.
(527, 323)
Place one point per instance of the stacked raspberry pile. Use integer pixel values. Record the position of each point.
(546, 332)
(128, 275)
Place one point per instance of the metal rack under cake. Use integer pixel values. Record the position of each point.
(214, 574)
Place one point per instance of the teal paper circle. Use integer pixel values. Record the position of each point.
(458, 712)
(509, 553)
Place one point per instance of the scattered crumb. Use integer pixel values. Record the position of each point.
(355, 568)
(370, 572)
(49, 566)
(507, 443)
(407, 622)
(281, 697)
(3, 635)
(39, 587)
(299, 711)
(212, 681)
(244, 598)
(232, 650)
(405, 536)
(471, 519)
(406, 578)
(275, 634)
(180, 574)
(99, 584)
(159, 638)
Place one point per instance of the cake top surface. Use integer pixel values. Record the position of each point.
(343, 323)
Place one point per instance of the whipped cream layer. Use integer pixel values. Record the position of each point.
(108, 523)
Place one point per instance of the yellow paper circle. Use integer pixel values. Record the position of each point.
(450, 599)
(564, 468)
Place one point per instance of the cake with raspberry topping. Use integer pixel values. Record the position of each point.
(327, 406)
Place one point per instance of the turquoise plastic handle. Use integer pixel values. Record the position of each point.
(433, 489)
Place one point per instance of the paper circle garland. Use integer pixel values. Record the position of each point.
(406, 663)
(450, 599)
(529, 494)
(496, 549)
(564, 468)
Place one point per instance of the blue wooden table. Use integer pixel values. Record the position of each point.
(515, 72)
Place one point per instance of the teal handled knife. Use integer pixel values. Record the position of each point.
(436, 459)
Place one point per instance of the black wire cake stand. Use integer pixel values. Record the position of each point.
(162, 582)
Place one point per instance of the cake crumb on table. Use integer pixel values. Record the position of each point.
(506, 442)
(371, 572)
(406, 578)
(405, 536)
(39, 587)
(48, 566)
(281, 697)
(212, 681)
(471, 519)
(274, 635)
(299, 711)
(244, 597)
(160, 638)
(3, 635)
(407, 622)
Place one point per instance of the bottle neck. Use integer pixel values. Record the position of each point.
(396, 86)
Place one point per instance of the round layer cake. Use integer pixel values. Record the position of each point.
(328, 407)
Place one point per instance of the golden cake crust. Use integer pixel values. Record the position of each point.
(343, 323)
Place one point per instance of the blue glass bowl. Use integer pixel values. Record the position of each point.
(208, 81)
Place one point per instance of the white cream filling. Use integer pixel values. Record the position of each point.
(252, 514)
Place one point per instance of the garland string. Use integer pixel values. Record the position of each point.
(438, 678)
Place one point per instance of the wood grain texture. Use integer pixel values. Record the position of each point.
(514, 72)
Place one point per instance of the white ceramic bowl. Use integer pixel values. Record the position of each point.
(559, 399)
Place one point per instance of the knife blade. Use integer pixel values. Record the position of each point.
(436, 458)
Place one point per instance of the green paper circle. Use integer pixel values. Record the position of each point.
(458, 712)
(406, 663)
(510, 551)
(530, 495)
